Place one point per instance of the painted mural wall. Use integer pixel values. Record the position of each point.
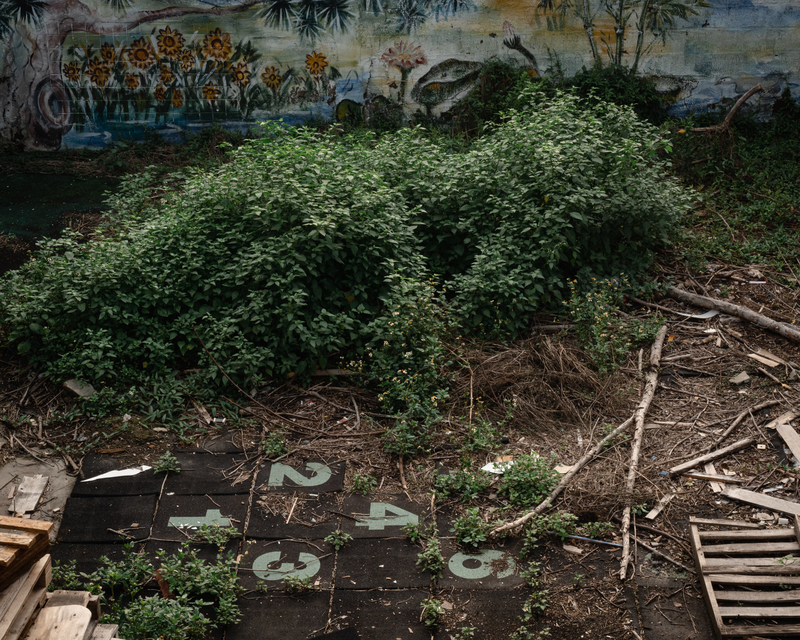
(81, 73)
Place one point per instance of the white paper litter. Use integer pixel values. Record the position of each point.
(497, 467)
(119, 473)
(699, 316)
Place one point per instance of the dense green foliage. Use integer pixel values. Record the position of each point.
(309, 249)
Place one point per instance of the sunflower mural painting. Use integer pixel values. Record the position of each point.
(79, 72)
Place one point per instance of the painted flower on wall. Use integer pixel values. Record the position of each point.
(210, 92)
(240, 74)
(217, 45)
(316, 63)
(141, 54)
(405, 57)
(132, 81)
(170, 42)
(177, 98)
(165, 75)
(160, 94)
(99, 72)
(271, 76)
(186, 60)
(107, 52)
(72, 71)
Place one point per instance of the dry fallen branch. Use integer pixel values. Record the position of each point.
(726, 124)
(639, 414)
(735, 310)
(565, 480)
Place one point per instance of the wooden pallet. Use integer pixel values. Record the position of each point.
(750, 578)
(22, 543)
(21, 600)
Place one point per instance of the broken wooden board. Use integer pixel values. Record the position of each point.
(752, 586)
(651, 515)
(108, 631)
(713, 455)
(28, 493)
(790, 437)
(763, 360)
(716, 487)
(70, 622)
(721, 522)
(713, 477)
(22, 542)
(766, 354)
(781, 419)
(760, 500)
(20, 601)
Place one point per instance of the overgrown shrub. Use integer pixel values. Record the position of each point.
(308, 249)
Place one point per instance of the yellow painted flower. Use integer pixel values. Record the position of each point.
(240, 74)
(210, 92)
(72, 71)
(217, 45)
(99, 72)
(166, 75)
(107, 52)
(141, 54)
(132, 81)
(169, 42)
(316, 63)
(177, 98)
(186, 60)
(160, 94)
(271, 77)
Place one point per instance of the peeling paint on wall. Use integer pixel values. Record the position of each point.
(81, 73)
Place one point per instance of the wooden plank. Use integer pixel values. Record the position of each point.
(760, 500)
(28, 585)
(761, 630)
(766, 354)
(790, 437)
(713, 477)
(24, 524)
(705, 581)
(105, 632)
(23, 539)
(26, 615)
(763, 360)
(760, 534)
(660, 506)
(62, 598)
(720, 522)
(757, 596)
(754, 581)
(713, 455)
(759, 612)
(71, 622)
(9, 593)
(7, 555)
(751, 548)
(786, 562)
(781, 419)
(29, 492)
(715, 487)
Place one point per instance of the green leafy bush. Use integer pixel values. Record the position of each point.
(470, 529)
(529, 480)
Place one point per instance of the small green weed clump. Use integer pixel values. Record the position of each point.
(364, 483)
(462, 483)
(337, 539)
(470, 529)
(432, 610)
(274, 446)
(167, 463)
(529, 480)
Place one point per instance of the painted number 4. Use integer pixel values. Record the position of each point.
(382, 515)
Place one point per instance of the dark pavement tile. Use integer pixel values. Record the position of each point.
(202, 473)
(379, 564)
(493, 614)
(670, 611)
(281, 617)
(314, 476)
(180, 516)
(89, 519)
(380, 615)
(344, 634)
(271, 562)
(379, 519)
(486, 568)
(311, 518)
(144, 483)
